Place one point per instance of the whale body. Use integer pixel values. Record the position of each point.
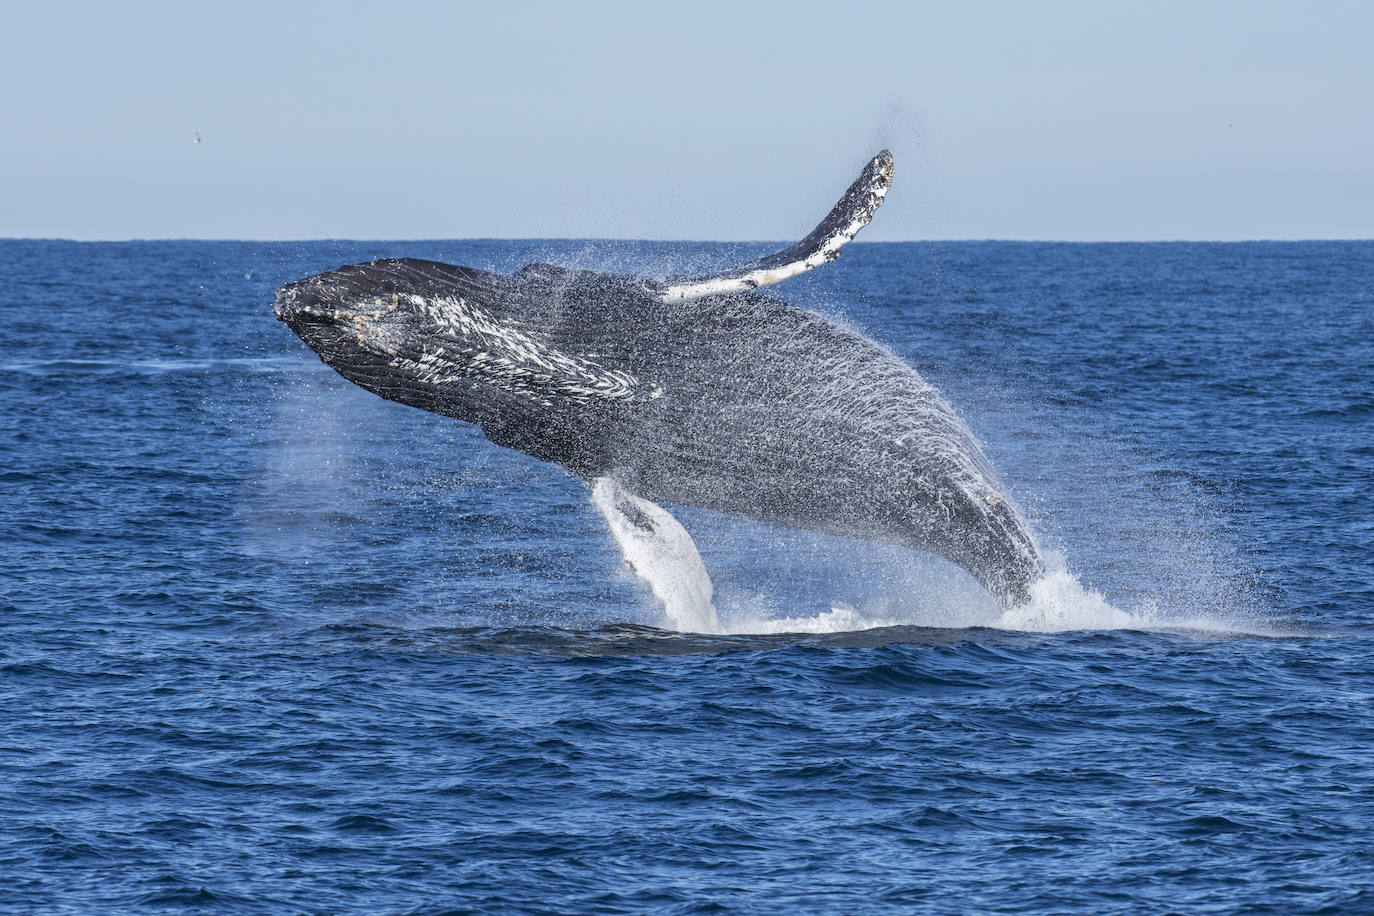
(701, 392)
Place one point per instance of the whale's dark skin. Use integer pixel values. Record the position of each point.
(737, 402)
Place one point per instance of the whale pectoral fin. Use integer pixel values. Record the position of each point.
(822, 246)
(662, 553)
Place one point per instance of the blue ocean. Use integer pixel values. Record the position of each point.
(272, 644)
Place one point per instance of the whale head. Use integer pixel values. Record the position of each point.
(465, 344)
(438, 343)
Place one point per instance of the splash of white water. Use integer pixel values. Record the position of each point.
(1060, 602)
(841, 618)
(815, 584)
(663, 555)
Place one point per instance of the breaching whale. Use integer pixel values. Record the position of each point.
(689, 391)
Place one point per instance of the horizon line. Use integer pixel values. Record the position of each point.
(678, 241)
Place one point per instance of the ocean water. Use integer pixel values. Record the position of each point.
(273, 645)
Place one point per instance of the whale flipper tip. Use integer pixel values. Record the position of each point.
(821, 246)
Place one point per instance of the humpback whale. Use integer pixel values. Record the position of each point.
(691, 391)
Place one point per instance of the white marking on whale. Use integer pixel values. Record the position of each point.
(694, 392)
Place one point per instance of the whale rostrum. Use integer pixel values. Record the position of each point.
(698, 392)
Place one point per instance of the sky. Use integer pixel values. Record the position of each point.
(702, 120)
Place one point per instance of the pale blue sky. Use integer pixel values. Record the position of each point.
(703, 120)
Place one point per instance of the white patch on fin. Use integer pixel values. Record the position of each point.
(662, 553)
(474, 346)
(841, 224)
